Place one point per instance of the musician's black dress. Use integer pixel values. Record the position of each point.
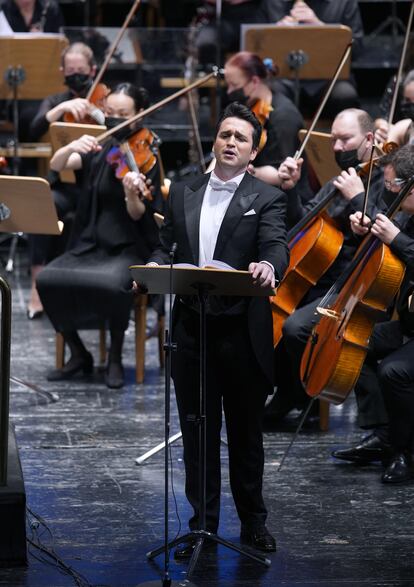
(90, 285)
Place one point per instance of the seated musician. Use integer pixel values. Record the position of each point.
(352, 139)
(233, 14)
(78, 69)
(385, 388)
(317, 12)
(401, 132)
(249, 81)
(89, 286)
(32, 16)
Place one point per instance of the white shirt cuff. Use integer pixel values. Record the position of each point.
(269, 264)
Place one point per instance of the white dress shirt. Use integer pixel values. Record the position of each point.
(217, 198)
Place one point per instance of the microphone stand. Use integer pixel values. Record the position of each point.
(169, 347)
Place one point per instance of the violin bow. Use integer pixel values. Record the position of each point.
(401, 65)
(112, 49)
(106, 135)
(322, 105)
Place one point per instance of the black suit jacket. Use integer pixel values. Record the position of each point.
(242, 239)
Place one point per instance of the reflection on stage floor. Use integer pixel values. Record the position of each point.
(335, 524)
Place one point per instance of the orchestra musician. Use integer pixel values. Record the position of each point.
(401, 131)
(239, 220)
(352, 139)
(385, 388)
(89, 286)
(78, 69)
(233, 14)
(33, 16)
(249, 81)
(318, 12)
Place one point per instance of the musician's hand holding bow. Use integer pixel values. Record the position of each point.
(69, 156)
(349, 184)
(289, 172)
(358, 228)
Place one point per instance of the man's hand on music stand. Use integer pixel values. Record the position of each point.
(262, 274)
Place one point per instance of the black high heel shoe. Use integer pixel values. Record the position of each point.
(34, 314)
(114, 375)
(82, 363)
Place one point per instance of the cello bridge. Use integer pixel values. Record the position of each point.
(328, 313)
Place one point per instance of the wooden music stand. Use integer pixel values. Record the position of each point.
(302, 51)
(30, 203)
(63, 133)
(320, 155)
(38, 55)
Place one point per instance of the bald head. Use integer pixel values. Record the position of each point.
(353, 129)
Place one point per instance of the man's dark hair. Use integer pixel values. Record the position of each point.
(237, 110)
(401, 160)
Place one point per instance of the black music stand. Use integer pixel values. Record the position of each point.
(200, 282)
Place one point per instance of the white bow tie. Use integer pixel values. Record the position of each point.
(218, 185)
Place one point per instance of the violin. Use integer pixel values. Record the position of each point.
(96, 96)
(337, 347)
(134, 154)
(262, 110)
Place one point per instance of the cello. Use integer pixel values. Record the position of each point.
(314, 242)
(336, 349)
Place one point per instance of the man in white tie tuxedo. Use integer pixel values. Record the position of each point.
(232, 217)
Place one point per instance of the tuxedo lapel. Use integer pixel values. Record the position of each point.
(193, 200)
(242, 200)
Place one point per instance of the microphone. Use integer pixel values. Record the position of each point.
(173, 250)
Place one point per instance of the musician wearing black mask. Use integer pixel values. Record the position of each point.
(78, 70)
(352, 140)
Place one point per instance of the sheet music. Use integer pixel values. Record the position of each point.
(5, 28)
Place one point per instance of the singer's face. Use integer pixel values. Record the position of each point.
(233, 146)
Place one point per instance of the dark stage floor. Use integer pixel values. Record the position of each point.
(335, 524)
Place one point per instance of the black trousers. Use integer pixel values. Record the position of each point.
(391, 381)
(288, 355)
(236, 384)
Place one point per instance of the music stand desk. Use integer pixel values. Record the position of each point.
(39, 57)
(321, 46)
(31, 205)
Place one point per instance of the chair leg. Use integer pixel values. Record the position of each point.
(102, 346)
(60, 351)
(140, 336)
(161, 331)
(323, 415)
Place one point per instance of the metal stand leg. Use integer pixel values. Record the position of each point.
(199, 536)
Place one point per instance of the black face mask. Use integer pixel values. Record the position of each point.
(388, 196)
(113, 121)
(78, 82)
(407, 110)
(347, 159)
(237, 96)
